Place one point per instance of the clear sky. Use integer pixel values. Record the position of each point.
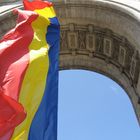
(93, 107)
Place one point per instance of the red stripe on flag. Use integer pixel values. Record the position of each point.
(36, 4)
(11, 113)
(14, 60)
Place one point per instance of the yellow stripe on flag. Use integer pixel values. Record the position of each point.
(35, 78)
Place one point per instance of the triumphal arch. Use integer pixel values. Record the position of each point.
(96, 35)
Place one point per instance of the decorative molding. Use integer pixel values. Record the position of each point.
(102, 43)
(107, 47)
(90, 42)
(133, 67)
(72, 40)
(122, 55)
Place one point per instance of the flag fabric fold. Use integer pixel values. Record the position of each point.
(29, 74)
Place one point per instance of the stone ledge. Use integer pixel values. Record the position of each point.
(9, 7)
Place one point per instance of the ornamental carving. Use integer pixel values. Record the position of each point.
(72, 40)
(102, 43)
(63, 40)
(107, 47)
(82, 40)
(122, 55)
(90, 42)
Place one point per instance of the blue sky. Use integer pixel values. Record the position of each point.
(93, 107)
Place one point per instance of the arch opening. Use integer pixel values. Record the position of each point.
(92, 106)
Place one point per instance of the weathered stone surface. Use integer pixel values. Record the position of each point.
(3, 2)
(98, 35)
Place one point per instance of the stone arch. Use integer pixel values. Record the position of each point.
(97, 35)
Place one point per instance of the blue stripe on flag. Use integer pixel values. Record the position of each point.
(44, 124)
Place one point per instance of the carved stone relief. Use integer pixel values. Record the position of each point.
(90, 42)
(72, 40)
(82, 41)
(104, 44)
(63, 40)
(122, 55)
(107, 47)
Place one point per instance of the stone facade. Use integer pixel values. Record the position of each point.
(97, 35)
(3, 2)
(101, 43)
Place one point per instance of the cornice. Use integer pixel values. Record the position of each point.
(100, 5)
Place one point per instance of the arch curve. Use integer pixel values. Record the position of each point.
(97, 35)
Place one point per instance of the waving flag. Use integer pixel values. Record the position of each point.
(29, 75)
